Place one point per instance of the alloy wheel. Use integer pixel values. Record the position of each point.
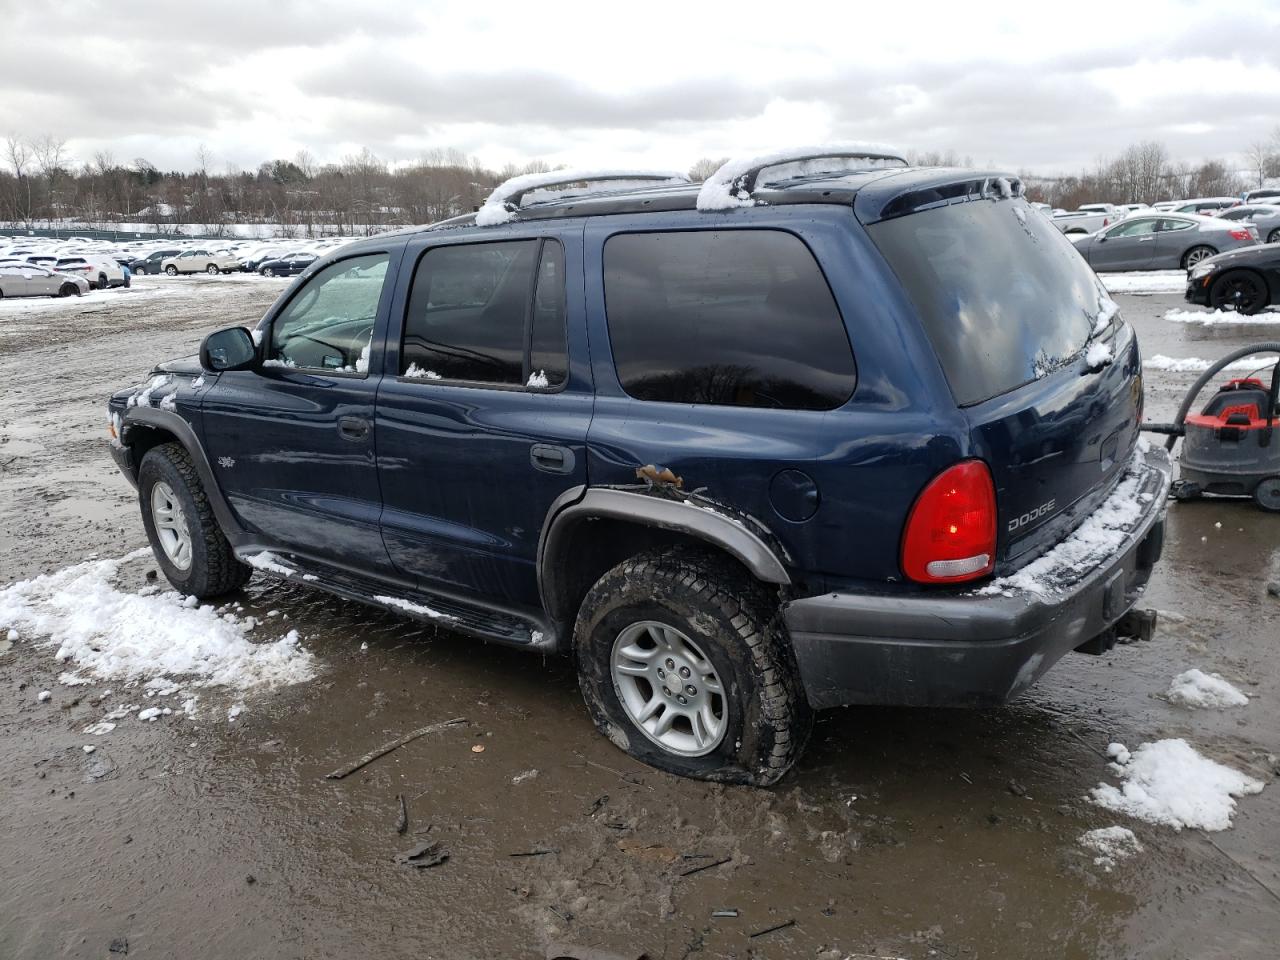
(171, 525)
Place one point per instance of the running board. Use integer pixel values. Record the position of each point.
(450, 613)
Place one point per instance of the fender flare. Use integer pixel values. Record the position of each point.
(153, 417)
(720, 529)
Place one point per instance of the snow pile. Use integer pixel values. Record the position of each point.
(1098, 354)
(420, 373)
(1092, 542)
(1195, 364)
(1194, 688)
(722, 191)
(1219, 318)
(1111, 844)
(533, 187)
(1153, 281)
(110, 633)
(1168, 782)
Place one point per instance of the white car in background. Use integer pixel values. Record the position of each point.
(100, 271)
(201, 261)
(33, 280)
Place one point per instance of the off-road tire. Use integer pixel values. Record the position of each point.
(214, 569)
(737, 622)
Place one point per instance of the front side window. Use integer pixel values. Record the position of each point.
(489, 313)
(729, 317)
(328, 325)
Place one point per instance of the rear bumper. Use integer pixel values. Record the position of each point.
(965, 648)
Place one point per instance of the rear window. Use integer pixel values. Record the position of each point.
(1004, 296)
(732, 318)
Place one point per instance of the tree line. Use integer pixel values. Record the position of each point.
(42, 184)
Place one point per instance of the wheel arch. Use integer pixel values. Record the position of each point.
(145, 428)
(588, 531)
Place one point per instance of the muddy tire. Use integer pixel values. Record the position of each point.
(726, 627)
(213, 569)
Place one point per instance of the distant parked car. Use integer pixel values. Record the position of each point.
(1264, 216)
(1087, 219)
(43, 259)
(30, 280)
(101, 272)
(1163, 205)
(200, 261)
(257, 258)
(1244, 280)
(1162, 242)
(1206, 205)
(1136, 207)
(287, 265)
(1265, 195)
(153, 262)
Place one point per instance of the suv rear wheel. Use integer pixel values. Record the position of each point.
(185, 537)
(683, 664)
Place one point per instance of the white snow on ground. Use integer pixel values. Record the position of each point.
(1140, 281)
(94, 300)
(1111, 844)
(1168, 782)
(411, 607)
(717, 191)
(1196, 365)
(1219, 318)
(1195, 688)
(1091, 542)
(109, 632)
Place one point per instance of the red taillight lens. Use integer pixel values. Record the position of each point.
(1106, 221)
(951, 532)
(1239, 234)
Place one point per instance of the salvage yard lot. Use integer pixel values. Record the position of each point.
(211, 831)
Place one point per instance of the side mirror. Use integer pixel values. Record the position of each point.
(230, 349)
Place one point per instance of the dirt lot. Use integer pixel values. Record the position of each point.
(903, 833)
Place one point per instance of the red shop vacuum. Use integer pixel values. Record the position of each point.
(1231, 447)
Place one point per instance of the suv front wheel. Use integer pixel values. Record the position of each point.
(185, 537)
(684, 665)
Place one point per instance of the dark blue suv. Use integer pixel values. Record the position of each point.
(816, 433)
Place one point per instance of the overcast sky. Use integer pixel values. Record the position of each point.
(1045, 86)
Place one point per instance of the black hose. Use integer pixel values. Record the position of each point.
(1269, 346)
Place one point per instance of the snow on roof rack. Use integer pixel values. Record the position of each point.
(733, 184)
(507, 197)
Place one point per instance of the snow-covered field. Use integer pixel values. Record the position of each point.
(143, 289)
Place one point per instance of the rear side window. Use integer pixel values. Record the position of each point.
(732, 317)
(1003, 295)
(490, 313)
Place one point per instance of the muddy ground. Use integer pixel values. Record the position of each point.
(904, 833)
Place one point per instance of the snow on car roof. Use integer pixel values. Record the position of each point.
(722, 190)
(498, 208)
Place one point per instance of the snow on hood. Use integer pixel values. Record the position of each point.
(496, 208)
(719, 191)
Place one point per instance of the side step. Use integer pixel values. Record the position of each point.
(500, 626)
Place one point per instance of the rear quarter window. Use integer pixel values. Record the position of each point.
(728, 317)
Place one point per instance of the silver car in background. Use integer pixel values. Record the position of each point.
(30, 280)
(1162, 242)
(1264, 216)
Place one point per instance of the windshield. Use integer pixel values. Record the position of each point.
(1004, 296)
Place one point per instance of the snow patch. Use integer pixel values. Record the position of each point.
(1194, 364)
(538, 379)
(1139, 281)
(723, 190)
(533, 186)
(109, 632)
(1220, 318)
(421, 373)
(1195, 688)
(1168, 782)
(1112, 844)
(410, 607)
(1098, 355)
(269, 562)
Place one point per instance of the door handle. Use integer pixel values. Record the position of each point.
(1145, 239)
(551, 458)
(353, 428)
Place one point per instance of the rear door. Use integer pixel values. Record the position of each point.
(482, 418)
(292, 443)
(1130, 245)
(1174, 237)
(1010, 308)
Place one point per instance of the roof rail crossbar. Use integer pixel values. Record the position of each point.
(735, 182)
(508, 196)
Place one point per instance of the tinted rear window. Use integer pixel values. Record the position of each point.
(730, 317)
(1004, 296)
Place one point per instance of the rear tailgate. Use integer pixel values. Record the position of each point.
(1035, 352)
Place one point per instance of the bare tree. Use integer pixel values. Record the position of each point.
(705, 167)
(18, 153)
(51, 156)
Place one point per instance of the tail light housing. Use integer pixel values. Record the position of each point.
(1241, 234)
(950, 535)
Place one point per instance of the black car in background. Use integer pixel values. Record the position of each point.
(151, 263)
(1245, 280)
(287, 266)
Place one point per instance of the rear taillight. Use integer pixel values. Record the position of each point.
(1240, 235)
(1105, 221)
(951, 531)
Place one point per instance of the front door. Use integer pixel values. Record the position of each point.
(483, 413)
(292, 442)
